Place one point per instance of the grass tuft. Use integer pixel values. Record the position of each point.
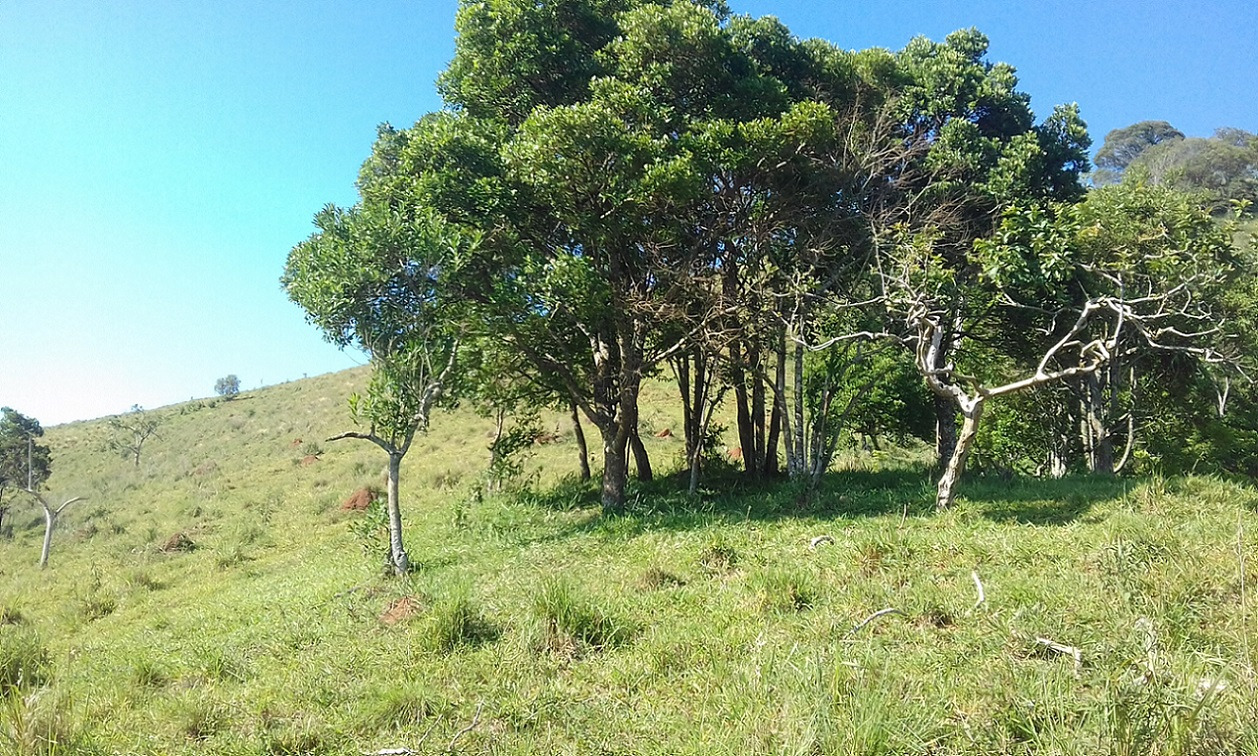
(783, 590)
(571, 622)
(456, 621)
(23, 659)
(655, 578)
(718, 557)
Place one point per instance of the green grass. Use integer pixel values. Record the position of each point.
(538, 626)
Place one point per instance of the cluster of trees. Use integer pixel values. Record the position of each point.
(1223, 169)
(836, 242)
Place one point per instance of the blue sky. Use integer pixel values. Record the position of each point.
(159, 159)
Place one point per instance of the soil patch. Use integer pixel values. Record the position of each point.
(401, 609)
(360, 499)
(176, 543)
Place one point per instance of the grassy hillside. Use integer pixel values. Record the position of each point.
(1115, 616)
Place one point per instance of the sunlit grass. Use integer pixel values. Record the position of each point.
(533, 624)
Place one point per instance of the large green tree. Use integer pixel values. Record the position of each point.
(1123, 146)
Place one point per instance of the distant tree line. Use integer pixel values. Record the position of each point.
(1221, 169)
(834, 242)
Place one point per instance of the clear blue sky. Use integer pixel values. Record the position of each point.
(159, 159)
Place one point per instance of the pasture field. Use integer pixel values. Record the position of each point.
(218, 600)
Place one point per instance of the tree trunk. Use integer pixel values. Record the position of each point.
(771, 469)
(1057, 462)
(746, 431)
(758, 416)
(583, 451)
(50, 519)
(615, 469)
(972, 412)
(1102, 457)
(801, 426)
(945, 431)
(641, 460)
(397, 552)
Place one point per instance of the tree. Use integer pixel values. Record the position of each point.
(227, 387)
(24, 464)
(375, 278)
(972, 149)
(1132, 269)
(1123, 146)
(131, 431)
(50, 520)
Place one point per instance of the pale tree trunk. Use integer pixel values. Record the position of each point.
(398, 559)
(1101, 459)
(971, 412)
(1057, 461)
(801, 428)
(50, 520)
(583, 451)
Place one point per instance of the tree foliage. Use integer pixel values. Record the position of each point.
(617, 186)
(24, 463)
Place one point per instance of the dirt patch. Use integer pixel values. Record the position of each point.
(176, 543)
(401, 609)
(296, 443)
(205, 468)
(309, 460)
(360, 499)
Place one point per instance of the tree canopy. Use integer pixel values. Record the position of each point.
(620, 186)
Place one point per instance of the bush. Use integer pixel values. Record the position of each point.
(227, 387)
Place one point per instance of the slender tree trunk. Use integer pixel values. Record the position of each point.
(397, 552)
(780, 406)
(1057, 463)
(583, 451)
(971, 412)
(771, 468)
(758, 415)
(50, 520)
(746, 432)
(801, 425)
(641, 460)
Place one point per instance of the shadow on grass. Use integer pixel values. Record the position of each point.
(908, 491)
(1037, 501)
